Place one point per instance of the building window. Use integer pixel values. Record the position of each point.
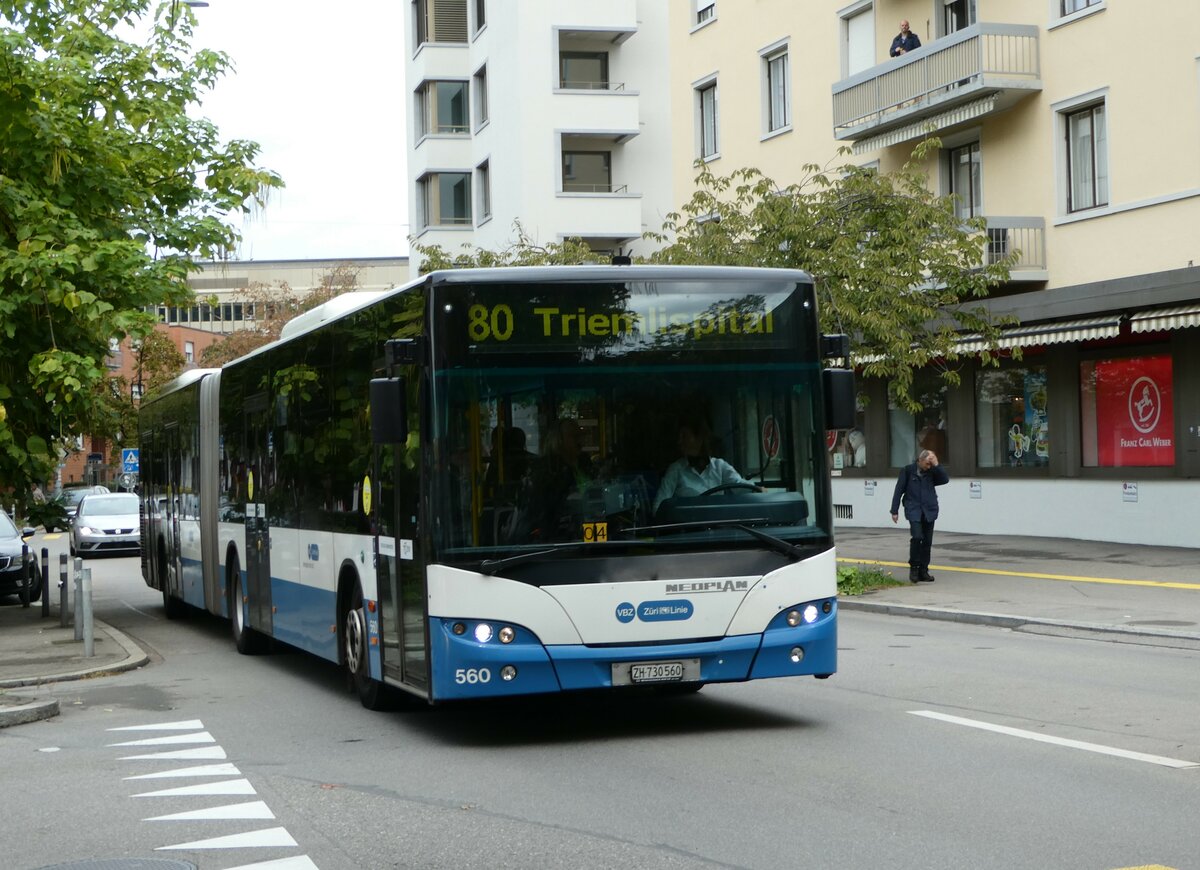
(1087, 158)
(1070, 6)
(957, 15)
(135, 391)
(583, 70)
(442, 108)
(706, 117)
(966, 176)
(909, 433)
(1012, 420)
(849, 447)
(189, 351)
(481, 97)
(441, 20)
(587, 172)
(483, 182)
(1127, 412)
(706, 10)
(480, 14)
(446, 198)
(778, 92)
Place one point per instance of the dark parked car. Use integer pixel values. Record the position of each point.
(12, 570)
(70, 497)
(106, 523)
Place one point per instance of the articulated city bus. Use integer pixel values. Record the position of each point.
(515, 481)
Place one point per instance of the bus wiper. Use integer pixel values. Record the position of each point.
(777, 544)
(491, 566)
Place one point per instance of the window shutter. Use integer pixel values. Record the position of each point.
(450, 20)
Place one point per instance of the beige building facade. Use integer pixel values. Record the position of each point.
(1073, 128)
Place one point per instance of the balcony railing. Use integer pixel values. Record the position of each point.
(981, 60)
(598, 187)
(1024, 235)
(591, 86)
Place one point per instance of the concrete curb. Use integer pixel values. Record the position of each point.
(26, 710)
(1153, 637)
(135, 657)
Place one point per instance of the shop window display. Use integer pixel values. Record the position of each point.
(1127, 412)
(1012, 419)
(926, 430)
(848, 447)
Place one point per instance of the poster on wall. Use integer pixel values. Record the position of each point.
(1135, 415)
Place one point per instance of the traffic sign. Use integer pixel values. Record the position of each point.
(129, 460)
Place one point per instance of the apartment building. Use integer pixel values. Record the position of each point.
(1073, 128)
(553, 113)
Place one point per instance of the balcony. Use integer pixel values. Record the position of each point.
(1026, 236)
(976, 72)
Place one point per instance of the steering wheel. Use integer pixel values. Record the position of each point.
(726, 487)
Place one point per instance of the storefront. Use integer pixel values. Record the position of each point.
(1094, 433)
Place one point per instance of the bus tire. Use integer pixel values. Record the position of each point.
(247, 641)
(373, 694)
(172, 606)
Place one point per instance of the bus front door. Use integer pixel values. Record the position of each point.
(259, 454)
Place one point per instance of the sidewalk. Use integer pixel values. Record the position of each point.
(1118, 592)
(34, 651)
(1124, 592)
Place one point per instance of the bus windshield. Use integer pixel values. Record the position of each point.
(668, 415)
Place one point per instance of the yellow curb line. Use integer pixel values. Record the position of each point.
(1109, 580)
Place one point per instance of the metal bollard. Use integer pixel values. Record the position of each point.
(64, 613)
(25, 581)
(76, 611)
(89, 638)
(45, 582)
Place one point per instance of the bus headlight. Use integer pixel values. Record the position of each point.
(810, 613)
(507, 635)
(793, 618)
(797, 655)
(483, 632)
(508, 673)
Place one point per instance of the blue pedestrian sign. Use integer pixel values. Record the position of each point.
(129, 460)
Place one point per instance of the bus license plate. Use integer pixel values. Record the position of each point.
(682, 670)
(658, 672)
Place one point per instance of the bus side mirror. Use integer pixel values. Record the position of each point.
(389, 417)
(840, 398)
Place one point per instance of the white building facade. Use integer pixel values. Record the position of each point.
(551, 113)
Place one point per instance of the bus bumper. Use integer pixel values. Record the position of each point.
(465, 667)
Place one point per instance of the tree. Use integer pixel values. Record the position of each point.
(522, 251)
(108, 189)
(273, 307)
(157, 361)
(895, 268)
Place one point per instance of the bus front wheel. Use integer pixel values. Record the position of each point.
(373, 694)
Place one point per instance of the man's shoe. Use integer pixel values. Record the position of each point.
(914, 575)
(925, 577)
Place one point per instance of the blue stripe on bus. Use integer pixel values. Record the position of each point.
(303, 617)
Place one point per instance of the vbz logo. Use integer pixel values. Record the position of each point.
(626, 612)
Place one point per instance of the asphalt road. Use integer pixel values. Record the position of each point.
(894, 762)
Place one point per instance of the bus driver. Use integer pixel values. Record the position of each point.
(695, 472)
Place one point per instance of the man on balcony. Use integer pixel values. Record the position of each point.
(905, 41)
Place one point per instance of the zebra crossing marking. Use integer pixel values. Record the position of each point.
(277, 837)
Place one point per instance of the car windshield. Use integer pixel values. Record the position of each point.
(74, 496)
(110, 505)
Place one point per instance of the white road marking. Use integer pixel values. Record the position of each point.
(248, 810)
(301, 862)
(1058, 741)
(202, 753)
(171, 740)
(202, 770)
(228, 786)
(268, 837)
(188, 725)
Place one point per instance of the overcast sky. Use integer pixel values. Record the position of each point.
(321, 89)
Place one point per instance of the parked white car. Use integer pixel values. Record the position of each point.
(106, 523)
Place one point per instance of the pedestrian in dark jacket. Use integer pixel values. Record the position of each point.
(916, 487)
(905, 41)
